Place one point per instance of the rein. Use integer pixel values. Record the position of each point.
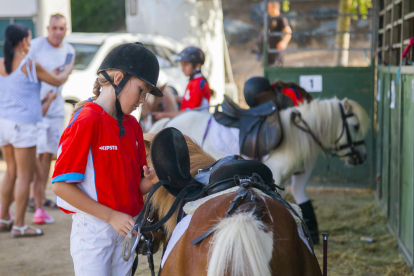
(296, 118)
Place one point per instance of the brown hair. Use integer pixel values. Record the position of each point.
(99, 82)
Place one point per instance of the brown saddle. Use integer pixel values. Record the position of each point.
(260, 127)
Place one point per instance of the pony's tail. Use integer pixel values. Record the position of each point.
(242, 246)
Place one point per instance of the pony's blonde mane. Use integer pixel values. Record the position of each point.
(163, 200)
(325, 121)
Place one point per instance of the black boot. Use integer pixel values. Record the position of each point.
(310, 219)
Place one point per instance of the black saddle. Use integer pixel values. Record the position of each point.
(260, 127)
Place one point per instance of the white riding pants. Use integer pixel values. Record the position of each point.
(96, 248)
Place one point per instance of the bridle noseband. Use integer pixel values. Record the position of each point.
(354, 154)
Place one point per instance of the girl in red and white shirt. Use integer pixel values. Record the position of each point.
(101, 171)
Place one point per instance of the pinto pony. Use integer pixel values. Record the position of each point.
(242, 244)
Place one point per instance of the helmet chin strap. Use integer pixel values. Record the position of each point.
(118, 88)
(195, 72)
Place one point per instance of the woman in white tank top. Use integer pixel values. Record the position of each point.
(20, 110)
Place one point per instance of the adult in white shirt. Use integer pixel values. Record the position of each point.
(51, 52)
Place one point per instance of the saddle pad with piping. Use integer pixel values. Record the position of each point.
(260, 127)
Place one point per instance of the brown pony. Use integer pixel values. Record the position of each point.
(167, 103)
(242, 244)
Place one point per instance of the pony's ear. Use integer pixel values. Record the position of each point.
(347, 105)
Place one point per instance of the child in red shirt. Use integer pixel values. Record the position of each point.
(198, 92)
(101, 171)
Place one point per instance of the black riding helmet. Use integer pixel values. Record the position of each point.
(192, 54)
(136, 60)
(253, 87)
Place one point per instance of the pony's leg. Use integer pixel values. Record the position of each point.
(299, 193)
(299, 182)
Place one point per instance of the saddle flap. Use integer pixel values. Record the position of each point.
(260, 127)
(171, 161)
(263, 137)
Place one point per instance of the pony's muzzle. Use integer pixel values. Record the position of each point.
(357, 158)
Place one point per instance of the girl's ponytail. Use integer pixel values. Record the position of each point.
(14, 34)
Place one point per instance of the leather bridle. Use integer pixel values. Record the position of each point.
(354, 154)
(296, 118)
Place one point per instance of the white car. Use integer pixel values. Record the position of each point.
(91, 49)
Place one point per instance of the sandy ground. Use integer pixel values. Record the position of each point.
(347, 215)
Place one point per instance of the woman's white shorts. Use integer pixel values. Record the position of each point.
(96, 248)
(49, 132)
(19, 135)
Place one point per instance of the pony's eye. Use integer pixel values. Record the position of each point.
(356, 127)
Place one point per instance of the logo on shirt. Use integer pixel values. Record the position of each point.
(187, 95)
(108, 148)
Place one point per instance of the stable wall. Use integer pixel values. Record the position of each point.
(394, 152)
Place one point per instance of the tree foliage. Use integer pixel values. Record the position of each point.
(358, 7)
(98, 15)
(361, 7)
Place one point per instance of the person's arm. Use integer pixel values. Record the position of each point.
(161, 115)
(53, 78)
(73, 195)
(282, 45)
(48, 100)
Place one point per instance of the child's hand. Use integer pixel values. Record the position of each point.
(121, 222)
(150, 175)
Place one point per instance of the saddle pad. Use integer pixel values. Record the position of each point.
(175, 236)
(225, 140)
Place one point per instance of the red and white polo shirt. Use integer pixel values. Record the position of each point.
(197, 94)
(105, 166)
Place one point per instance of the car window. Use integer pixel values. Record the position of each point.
(164, 56)
(84, 54)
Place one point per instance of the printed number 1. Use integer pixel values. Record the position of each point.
(311, 81)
